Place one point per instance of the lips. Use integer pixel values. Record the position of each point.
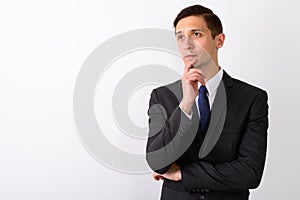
(190, 56)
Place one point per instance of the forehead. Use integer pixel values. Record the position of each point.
(191, 23)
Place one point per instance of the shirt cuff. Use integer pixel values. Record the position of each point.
(187, 115)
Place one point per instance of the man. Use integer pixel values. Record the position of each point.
(185, 148)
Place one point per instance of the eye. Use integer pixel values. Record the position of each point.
(197, 34)
(180, 37)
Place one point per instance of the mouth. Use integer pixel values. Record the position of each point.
(189, 56)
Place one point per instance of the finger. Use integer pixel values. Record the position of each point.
(193, 77)
(187, 64)
(195, 70)
(193, 83)
(159, 178)
(156, 176)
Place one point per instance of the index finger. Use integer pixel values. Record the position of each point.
(188, 65)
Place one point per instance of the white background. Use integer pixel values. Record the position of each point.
(43, 45)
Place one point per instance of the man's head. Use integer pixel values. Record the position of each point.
(199, 36)
(212, 21)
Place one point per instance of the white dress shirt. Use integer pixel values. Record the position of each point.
(212, 86)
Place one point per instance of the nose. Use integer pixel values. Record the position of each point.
(188, 44)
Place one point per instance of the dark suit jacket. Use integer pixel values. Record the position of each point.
(232, 164)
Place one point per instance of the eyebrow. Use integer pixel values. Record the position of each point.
(193, 30)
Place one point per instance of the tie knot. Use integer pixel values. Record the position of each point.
(202, 89)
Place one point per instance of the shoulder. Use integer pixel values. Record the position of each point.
(247, 93)
(241, 87)
(246, 87)
(243, 93)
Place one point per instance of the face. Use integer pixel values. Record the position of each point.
(195, 42)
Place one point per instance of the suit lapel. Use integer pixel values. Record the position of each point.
(228, 83)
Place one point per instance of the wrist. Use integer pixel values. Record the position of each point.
(186, 107)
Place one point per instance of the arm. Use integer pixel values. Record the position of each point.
(171, 135)
(161, 152)
(246, 171)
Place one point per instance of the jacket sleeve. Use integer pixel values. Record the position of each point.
(246, 171)
(170, 131)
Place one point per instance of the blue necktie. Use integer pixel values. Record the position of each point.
(204, 109)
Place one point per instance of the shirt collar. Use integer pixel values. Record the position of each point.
(214, 82)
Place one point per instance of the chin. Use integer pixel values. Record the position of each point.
(198, 65)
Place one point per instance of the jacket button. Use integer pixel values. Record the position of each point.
(201, 197)
(206, 190)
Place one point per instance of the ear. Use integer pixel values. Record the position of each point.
(220, 40)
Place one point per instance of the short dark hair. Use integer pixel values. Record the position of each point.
(213, 22)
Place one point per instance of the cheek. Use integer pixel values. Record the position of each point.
(180, 48)
(205, 48)
(199, 45)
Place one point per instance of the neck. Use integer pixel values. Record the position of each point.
(209, 70)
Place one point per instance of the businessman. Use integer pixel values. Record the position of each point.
(208, 131)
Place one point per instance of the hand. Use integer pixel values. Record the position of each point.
(174, 174)
(191, 77)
